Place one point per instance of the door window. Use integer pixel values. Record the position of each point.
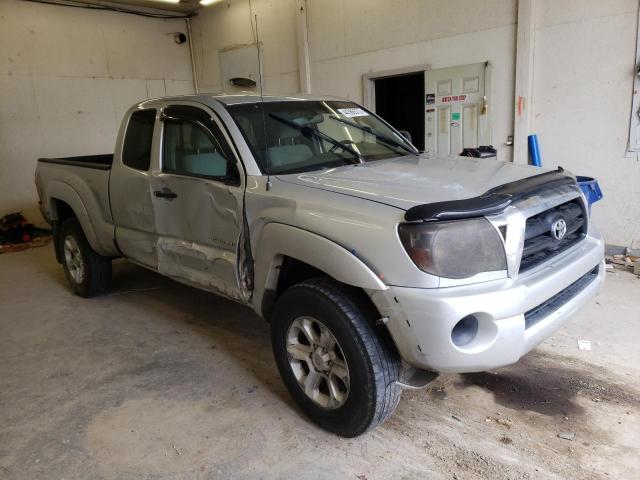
(136, 152)
(191, 148)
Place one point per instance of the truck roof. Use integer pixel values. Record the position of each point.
(235, 99)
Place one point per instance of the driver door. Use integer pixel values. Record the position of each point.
(198, 201)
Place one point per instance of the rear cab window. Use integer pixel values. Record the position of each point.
(136, 151)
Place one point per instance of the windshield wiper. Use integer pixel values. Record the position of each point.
(383, 138)
(307, 130)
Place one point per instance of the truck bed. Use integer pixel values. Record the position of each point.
(82, 183)
(101, 162)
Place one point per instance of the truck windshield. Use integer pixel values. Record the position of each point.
(299, 136)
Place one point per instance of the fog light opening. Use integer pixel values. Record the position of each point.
(464, 331)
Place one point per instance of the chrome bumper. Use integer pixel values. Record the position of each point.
(421, 320)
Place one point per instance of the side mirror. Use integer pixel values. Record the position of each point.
(406, 135)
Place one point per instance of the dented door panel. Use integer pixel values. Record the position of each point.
(198, 231)
(198, 226)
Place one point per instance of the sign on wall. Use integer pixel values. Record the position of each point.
(453, 98)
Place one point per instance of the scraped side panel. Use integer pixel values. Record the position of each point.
(198, 265)
(199, 232)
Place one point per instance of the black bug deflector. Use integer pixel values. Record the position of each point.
(492, 202)
(457, 209)
(531, 185)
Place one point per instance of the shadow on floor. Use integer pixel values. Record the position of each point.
(550, 384)
(227, 325)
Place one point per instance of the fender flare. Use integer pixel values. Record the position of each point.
(57, 190)
(278, 240)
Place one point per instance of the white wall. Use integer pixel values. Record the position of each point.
(228, 24)
(583, 79)
(349, 38)
(67, 75)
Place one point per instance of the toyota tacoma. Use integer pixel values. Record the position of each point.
(377, 266)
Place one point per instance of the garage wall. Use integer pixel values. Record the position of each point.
(226, 25)
(583, 80)
(67, 75)
(348, 39)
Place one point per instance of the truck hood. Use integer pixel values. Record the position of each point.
(405, 182)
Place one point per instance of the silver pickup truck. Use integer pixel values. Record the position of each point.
(376, 265)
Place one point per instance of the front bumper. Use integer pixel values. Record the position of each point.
(421, 320)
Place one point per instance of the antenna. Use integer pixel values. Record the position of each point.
(264, 122)
(259, 57)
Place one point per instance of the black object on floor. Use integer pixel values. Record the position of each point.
(15, 229)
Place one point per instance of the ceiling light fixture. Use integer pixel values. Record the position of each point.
(207, 2)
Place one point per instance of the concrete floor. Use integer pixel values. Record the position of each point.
(158, 380)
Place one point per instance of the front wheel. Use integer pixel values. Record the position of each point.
(87, 272)
(336, 365)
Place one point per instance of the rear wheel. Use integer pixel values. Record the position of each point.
(87, 272)
(336, 365)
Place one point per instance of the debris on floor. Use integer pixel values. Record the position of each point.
(628, 262)
(584, 344)
(17, 235)
(567, 435)
(505, 422)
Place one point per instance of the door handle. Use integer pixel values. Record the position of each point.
(165, 193)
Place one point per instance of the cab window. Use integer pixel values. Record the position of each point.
(136, 151)
(193, 146)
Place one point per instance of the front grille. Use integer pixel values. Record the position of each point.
(545, 309)
(539, 241)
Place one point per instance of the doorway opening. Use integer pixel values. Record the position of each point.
(399, 99)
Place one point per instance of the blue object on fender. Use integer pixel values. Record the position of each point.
(534, 151)
(591, 190)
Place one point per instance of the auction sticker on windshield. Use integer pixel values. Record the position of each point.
(353, 112)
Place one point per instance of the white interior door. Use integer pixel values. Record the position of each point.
(456, 112)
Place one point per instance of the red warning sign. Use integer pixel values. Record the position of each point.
(453, 98)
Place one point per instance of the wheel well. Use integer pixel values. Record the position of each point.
(62, 212)
(292, 271)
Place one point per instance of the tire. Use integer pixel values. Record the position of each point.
(95, 270)
(370, 393)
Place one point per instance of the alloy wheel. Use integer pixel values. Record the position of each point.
(73, 259)
(318, 363)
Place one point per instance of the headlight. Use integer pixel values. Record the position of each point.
(458, 249)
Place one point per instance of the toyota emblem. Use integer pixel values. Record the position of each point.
(559, 229)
